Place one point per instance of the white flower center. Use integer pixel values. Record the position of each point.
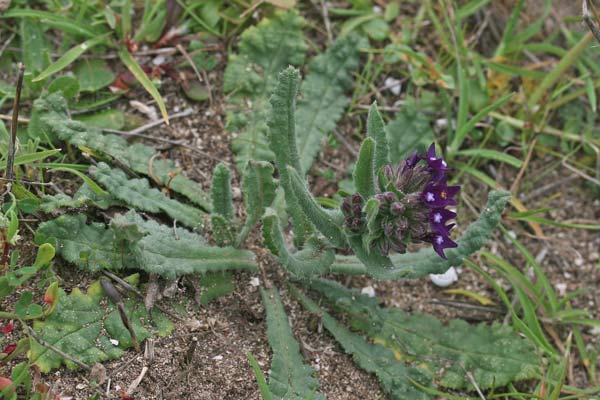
(439, 239)
(437, 218)
(429, 197)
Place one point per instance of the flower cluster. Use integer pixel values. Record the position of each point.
(413, 200)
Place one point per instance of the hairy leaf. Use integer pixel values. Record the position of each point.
(215, 285)
(221, 192)
(83, 324)
(282, 140)
(395, 377)
(376, 130)
(494, 355)
(323, 100)
(132, 242)
(138, 194)
(290, 377)
(313, 259)
(426, 261)
(264, 50)
(258, 187)
(50, 120)
(83, 197)
(364, 176)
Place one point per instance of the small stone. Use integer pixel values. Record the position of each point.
(115, 342)
(562, 288)
(369, 291)
(218, 358)
(255, 281)
(80, 386)
(98, 373)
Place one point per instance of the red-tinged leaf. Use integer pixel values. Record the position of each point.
(8, 328)
(51, 297)
(9, 349)
(125, 396)
(4, 383)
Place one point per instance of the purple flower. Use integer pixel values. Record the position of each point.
(441, 242)
(413, 197)
(437, 195)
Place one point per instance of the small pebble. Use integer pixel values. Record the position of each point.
(369, 291)
(445, 279)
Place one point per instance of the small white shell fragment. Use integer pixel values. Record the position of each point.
(115, 342)
(445, 279)
(393, 85)
(369, 291)
(255, 281)
(218, 358)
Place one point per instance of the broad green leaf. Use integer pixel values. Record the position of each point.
(83, 324)
(134, 243)
(50, 120)
(426, 261)
(69, 57)
(215, 285)
(290, 377)
(251, 74)
(323, 95)
(93, 75)
(494, 355)
(34, 45)
(395, 377)
(141, 76)
(138, 194)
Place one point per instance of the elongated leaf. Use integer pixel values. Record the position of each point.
(259, 189)
(47, 17)
(93, 75)
(394, 376)
(364, 174)
(264, 50)
(85, 196)
(493, 155)
(290, 377)
(282, 140)
(141, 76)
(82, 325)
(409, 130)
(376, 130)
(221, 192)
(34, 45)
(138, 194)
(24, 159)
(69, 57)
(495, 355)
(426, 261)
(50, 120)
(135, 243)
(323, 95)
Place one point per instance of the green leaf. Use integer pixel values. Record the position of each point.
(132, 242)
(376, 130)
(258, 188)
(221, 192)
(290, 377)
(264, 50)
(395, 377)
(426, 261)
(138, 194)
(66, 84)
(110, 118)
(323, 95)
(282, 140)
(141, 76)
(85, 196)
(69, 57)
(34, 45)
(83, 324)
(25, 159)
(492, 155)
(314, 259)
(222, 230)
(50, 120)
(409, 130)
(364, 175)
(260, 378)
(93, 74)
(495, 355)
(49, 18)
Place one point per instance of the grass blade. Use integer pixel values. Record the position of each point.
(141, 76)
